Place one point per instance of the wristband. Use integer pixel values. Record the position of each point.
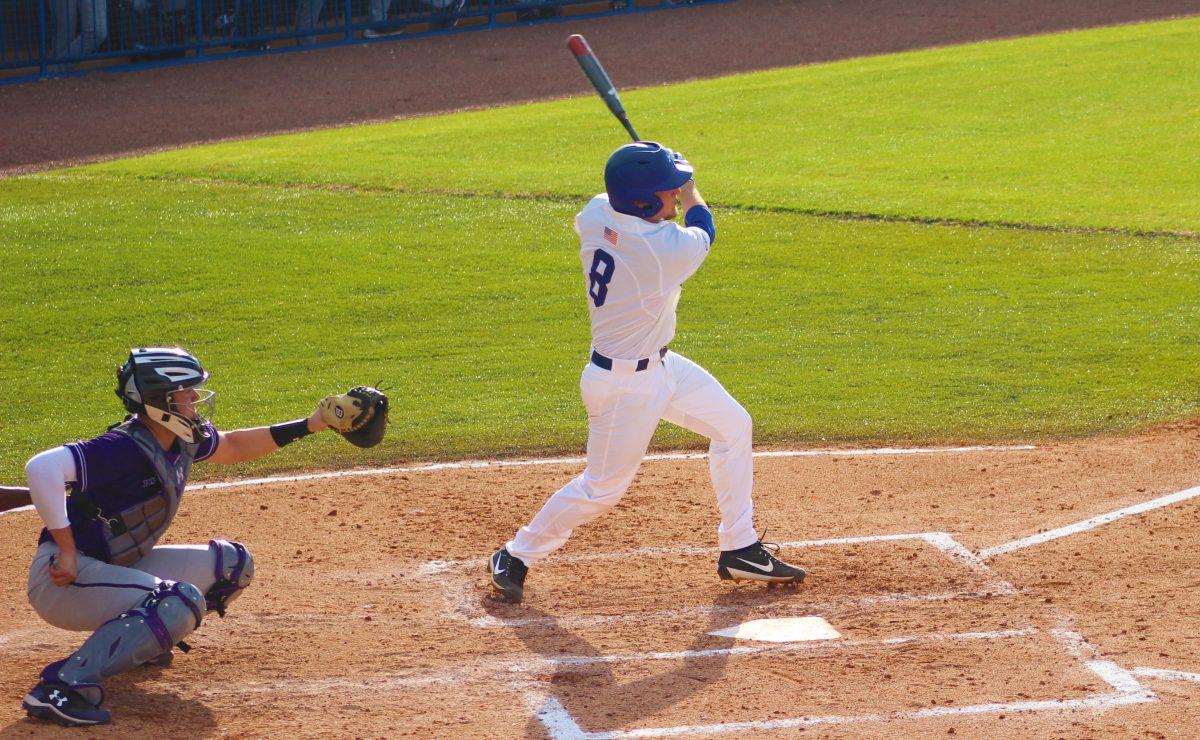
(701, 216)
(289, 431)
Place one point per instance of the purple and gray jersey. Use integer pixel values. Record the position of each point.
(113, 475)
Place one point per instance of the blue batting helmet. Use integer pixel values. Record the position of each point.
(637, 171)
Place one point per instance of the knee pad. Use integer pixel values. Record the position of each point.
(165, 616)
(173, 611)
(234, 570)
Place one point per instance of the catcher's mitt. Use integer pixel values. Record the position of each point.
(359, 415)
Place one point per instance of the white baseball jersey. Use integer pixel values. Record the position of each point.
(634, 272)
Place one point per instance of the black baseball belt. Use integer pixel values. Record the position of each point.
(605, 363)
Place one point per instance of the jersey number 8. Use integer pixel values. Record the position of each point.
(599, 276)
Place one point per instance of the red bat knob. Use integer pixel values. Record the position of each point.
(578, 45)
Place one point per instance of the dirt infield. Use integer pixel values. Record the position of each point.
(370, 615)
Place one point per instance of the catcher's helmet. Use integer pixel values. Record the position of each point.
(148, 378)
(637, 171)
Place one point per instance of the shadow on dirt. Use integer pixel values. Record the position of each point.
(137, 711)
(594, 694)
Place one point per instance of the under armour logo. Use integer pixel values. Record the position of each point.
(58, 698)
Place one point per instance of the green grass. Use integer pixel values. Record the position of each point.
(436, 256)
(1090, 129)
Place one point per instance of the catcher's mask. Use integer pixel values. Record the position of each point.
(148, 380)
(637, 172)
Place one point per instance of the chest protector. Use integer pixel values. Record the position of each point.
(131, 534)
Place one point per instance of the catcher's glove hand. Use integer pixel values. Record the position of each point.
(359, 415)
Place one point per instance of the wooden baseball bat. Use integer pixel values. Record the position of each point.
(599, 79)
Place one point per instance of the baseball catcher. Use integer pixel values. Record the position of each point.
(107, 501)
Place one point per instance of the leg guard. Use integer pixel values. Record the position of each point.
(234, 572)
(167, 615)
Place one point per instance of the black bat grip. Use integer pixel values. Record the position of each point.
(629, 127)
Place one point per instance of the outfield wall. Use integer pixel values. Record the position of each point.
(57, 38)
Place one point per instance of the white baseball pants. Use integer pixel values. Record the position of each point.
(624, 408)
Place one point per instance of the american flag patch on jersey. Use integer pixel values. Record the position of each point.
(610, 236)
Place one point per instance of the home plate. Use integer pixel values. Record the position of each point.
(785, 629)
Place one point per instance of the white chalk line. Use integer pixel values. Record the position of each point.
(561, 725)
(1087, 524)
(1166, 675)
(1098, 701)
(552, 714)
(1077, 646)
(958, 553)
(499, 464)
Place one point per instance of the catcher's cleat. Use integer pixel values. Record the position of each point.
(508, 575)
(55, 701)
(757, 563)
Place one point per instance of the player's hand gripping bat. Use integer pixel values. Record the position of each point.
(599, 79)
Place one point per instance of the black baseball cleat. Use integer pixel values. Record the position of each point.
(508, 575)
(57, 702)
(757, 563)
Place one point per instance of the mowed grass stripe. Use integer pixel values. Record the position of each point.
(578, 197)
(1091, 129)
(472, 312)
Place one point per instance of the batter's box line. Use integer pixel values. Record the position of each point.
(561, 725)
(462, 600)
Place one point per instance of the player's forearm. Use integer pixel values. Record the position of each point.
(250, 444)
(245, 444)
(65, 539)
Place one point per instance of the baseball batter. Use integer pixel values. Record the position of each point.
(98, 567)
(635, 259)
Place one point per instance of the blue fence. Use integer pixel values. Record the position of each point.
(48, 38)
